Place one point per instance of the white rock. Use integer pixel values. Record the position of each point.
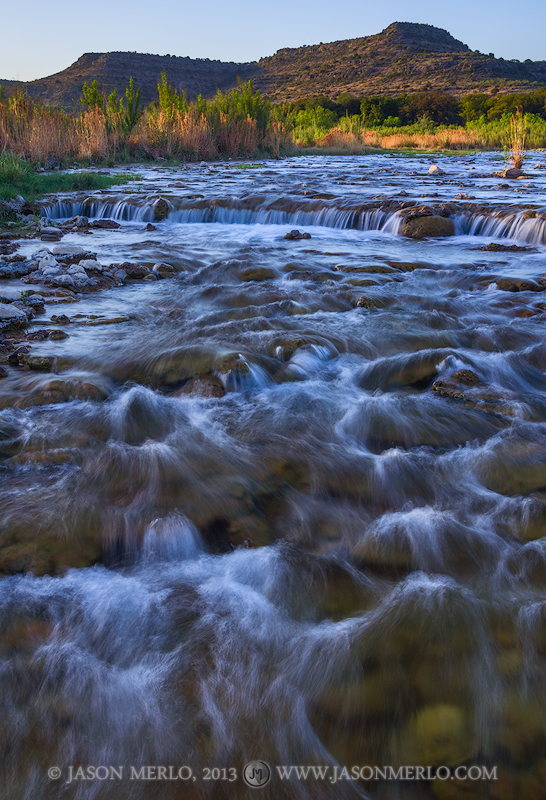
(63, 280)
(52, 272)
(67, 250)
(9, 313)
(435, 170)
(76, 269)
(9, 293)
(89, 263)
(49, 262)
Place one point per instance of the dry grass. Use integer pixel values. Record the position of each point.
(48, 137)
(449, 139)
(173, 135)
(518, 131)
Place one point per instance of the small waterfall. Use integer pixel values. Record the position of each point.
(174, 538)
(518, 225)
(524, 226)
(281, 211)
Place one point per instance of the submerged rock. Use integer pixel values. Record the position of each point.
(257, 274)
(438, 735)
(38, 362)
(518, 285)
(208, 386)
(63, 390)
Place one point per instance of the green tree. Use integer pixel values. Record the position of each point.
(131, 114)
(92, 96)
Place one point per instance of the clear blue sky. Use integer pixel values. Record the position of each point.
(39, 40)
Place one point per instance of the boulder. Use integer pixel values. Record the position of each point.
(295, 234)
(67, 250)
(513, 172)
(161, 210)
(10, 313)
(435, 170)
(105, 224)
(425, 227)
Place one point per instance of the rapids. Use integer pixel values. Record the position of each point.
(302, 519)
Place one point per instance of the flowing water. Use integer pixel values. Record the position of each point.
(302, 520)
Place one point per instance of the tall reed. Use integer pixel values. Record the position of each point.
(518, 131)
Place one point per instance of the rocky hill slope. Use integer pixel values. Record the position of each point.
(113, 70)
(405, 57)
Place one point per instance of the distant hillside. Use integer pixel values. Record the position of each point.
(113, 70)
(405, 57)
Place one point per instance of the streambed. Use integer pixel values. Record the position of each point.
(300, 517)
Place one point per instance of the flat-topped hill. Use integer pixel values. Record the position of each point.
(405, 57)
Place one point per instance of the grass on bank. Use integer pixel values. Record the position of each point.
(18, 176)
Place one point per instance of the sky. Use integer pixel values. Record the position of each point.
(38, 42)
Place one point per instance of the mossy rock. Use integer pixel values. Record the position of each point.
(207, 386)
(178, 366)
(61, 390)
(428, 227)
(438, 735)
(257, 274)
(161, 210)
(47, 554)
(45, 363)
(518, 285)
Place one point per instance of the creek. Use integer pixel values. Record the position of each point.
(300, 515)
